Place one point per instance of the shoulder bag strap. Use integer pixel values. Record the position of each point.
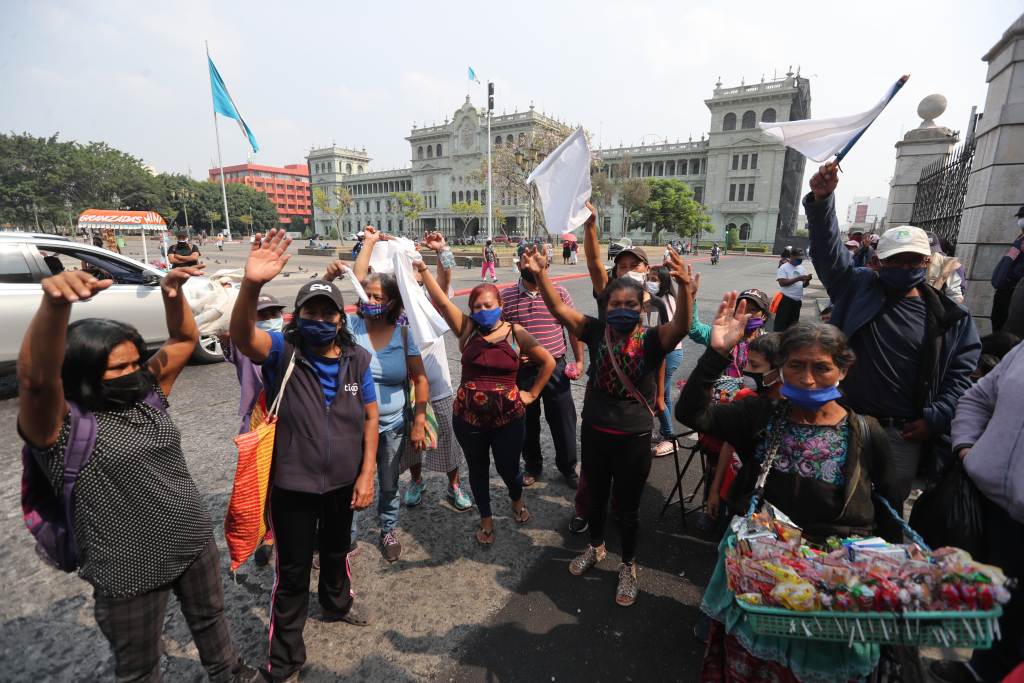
(622, 376)
(275, 406)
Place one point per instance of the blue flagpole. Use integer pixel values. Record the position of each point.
(841, 154)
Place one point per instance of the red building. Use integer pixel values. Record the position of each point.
(288, 188)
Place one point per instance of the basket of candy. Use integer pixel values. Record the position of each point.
(861, 589)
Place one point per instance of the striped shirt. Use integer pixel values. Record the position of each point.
(528, 309)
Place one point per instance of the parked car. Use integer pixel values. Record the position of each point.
(501, 239)
(133, 298)
(615, 247)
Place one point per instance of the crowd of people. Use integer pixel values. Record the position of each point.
(892, 383)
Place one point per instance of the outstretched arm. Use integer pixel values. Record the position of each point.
(592, 247)
(168, 362)
(266, 259)
(455, 318)
(569, 317)
(42, 408)
(673, 332)
(436, 243)
(361, 267)
(539, 355)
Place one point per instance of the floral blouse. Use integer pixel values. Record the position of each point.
(812, 451)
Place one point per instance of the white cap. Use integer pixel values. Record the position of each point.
(904, 239)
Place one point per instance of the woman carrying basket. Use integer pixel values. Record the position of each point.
(820, 473)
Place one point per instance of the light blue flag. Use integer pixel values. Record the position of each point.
(225, 106)
(472, 75)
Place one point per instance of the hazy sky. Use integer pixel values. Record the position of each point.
(134, 74)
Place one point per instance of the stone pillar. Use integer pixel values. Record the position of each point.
(996, 187)
(920, 147)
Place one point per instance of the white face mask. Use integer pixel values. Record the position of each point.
(653, 287)
(639, 277)
(272, 325)
(1020, 222)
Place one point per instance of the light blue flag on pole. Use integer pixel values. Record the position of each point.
(225, 106)
(472, 75)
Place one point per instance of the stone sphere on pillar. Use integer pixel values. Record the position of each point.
(930, 109)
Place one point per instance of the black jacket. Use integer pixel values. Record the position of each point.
(742, 424)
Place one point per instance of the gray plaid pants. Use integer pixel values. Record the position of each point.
(134, 625)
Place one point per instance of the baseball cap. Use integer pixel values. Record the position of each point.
(636, 251)
(319, 288)
(855, 231)
(1020, 212)
(756, 297)
(268, 301)
(873, 238)
(852, 243)
(904, 239)
(933, 242)
(797, 253)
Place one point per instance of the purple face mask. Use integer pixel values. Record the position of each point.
(754, 324)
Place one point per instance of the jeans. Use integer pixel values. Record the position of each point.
(560, 413)
(673, 360)
(906, 455)
(389, 458)
(506, 442)
(626, 458)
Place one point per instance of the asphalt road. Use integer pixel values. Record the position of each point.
(449, 610)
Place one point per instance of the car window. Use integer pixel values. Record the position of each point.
(124, 272)
(14, 268)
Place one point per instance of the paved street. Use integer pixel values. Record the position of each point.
(449, 610)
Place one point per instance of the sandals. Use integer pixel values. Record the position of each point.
(521, 517)
(587, 560)
(627, 591)
(488, 535)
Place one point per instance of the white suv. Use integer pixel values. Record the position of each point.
(27, 258)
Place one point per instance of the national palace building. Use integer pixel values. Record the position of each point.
(747, 181)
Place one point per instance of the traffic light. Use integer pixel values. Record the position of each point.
(490, 96)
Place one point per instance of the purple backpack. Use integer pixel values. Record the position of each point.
(51, 521)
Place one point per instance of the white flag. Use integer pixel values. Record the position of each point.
(821, 139)
(563, 182)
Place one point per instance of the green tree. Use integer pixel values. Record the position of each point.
(334, 233)
(297, 225)
(633, 193)
(412, 206)
(498, 216)
(670, 207)
(336, 212)
(467, 211)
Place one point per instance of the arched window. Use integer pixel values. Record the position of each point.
(731, 227)
(729, 122)
(476, 195)
(745, 231)
(461, 197)
(509, 139)
(694, 166)
(439, 150)
(359, 169)
(348, 169)
(430, 152)
(682, 166)
(329, 166)
(483, 196)
(522, 138)
(419, 153)
(768, 116)
(749, 118)
(318, 168)
(497, 141)
(453, 198)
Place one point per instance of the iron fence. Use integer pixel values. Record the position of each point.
(941, 190)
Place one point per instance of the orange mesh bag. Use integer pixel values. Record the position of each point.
(245, 523)
(776, 300)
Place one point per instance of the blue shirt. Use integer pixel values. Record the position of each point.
(326, 370)
(389, 370)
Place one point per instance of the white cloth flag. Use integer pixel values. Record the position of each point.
(821, 139)
(563, 183)
(396, 256)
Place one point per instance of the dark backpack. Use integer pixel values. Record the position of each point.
(51, 521)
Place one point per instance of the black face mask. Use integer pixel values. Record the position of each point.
(126, 389)
(528, 276)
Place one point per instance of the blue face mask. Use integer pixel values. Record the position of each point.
(901, 279)
(373, 311)
(318, 333)
(487, 318)
(809, 399)
(272, 325)
(623, 319)
(797, 261)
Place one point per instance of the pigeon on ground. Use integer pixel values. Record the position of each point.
(313, 276)
(287, 274)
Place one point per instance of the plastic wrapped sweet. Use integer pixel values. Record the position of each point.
(797, 596)
(751, 598)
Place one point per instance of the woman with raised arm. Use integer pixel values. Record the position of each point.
(140, 525)
(490, 411)
(325, 450)
(625, 359)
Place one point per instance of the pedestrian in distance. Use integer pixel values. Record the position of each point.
(715, 254)
(1006, 275)
(615, 438)
(182, 253)
(220, 243)
(141, 527)
(490, 410)
(488, 262)
(792, 278)
(566, 252)
(325, 447)
(574, 247)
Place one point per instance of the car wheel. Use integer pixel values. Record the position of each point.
(208, 350)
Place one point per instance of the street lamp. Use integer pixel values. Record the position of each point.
(183, 196)
(35, 210)
(71, 222)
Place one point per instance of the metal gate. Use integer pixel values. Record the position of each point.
(941, 191)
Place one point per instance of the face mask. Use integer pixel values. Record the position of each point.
(652, 287)
(1020, 223)
(901, 279)
(272, 325)
(810, 399)
(373, 311)
(126, 389)
(755, 381)
(623, 319)
(487, 318)
(754, 324)
(797, 261)
(639, 277)
(318, 333)
(528, 276)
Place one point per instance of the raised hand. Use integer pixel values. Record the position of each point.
(370, 236)
(335, 269)
(729, 324)
(172, 282)
(824, 182)
(267, 257)
(534, 259)
(592, 220)
(694, 283)
(433, 241)
(681, 272)
(72, 285)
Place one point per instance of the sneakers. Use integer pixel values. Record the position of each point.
(572, 480)
(587, 560)
(390, 548)
(263, 554)
(243, 673)
(626, 593)
(664, 448)
(459, 497)
(415, 493)
(578, 525)
(952, 672)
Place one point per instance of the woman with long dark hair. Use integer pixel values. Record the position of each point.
(325, 449)
(490, 411)
(141, 528)
(615, 438)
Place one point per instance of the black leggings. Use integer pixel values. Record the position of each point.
(626, 458)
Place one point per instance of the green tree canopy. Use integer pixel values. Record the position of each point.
(669, 207)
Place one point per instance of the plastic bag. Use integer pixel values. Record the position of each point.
(951, 514)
